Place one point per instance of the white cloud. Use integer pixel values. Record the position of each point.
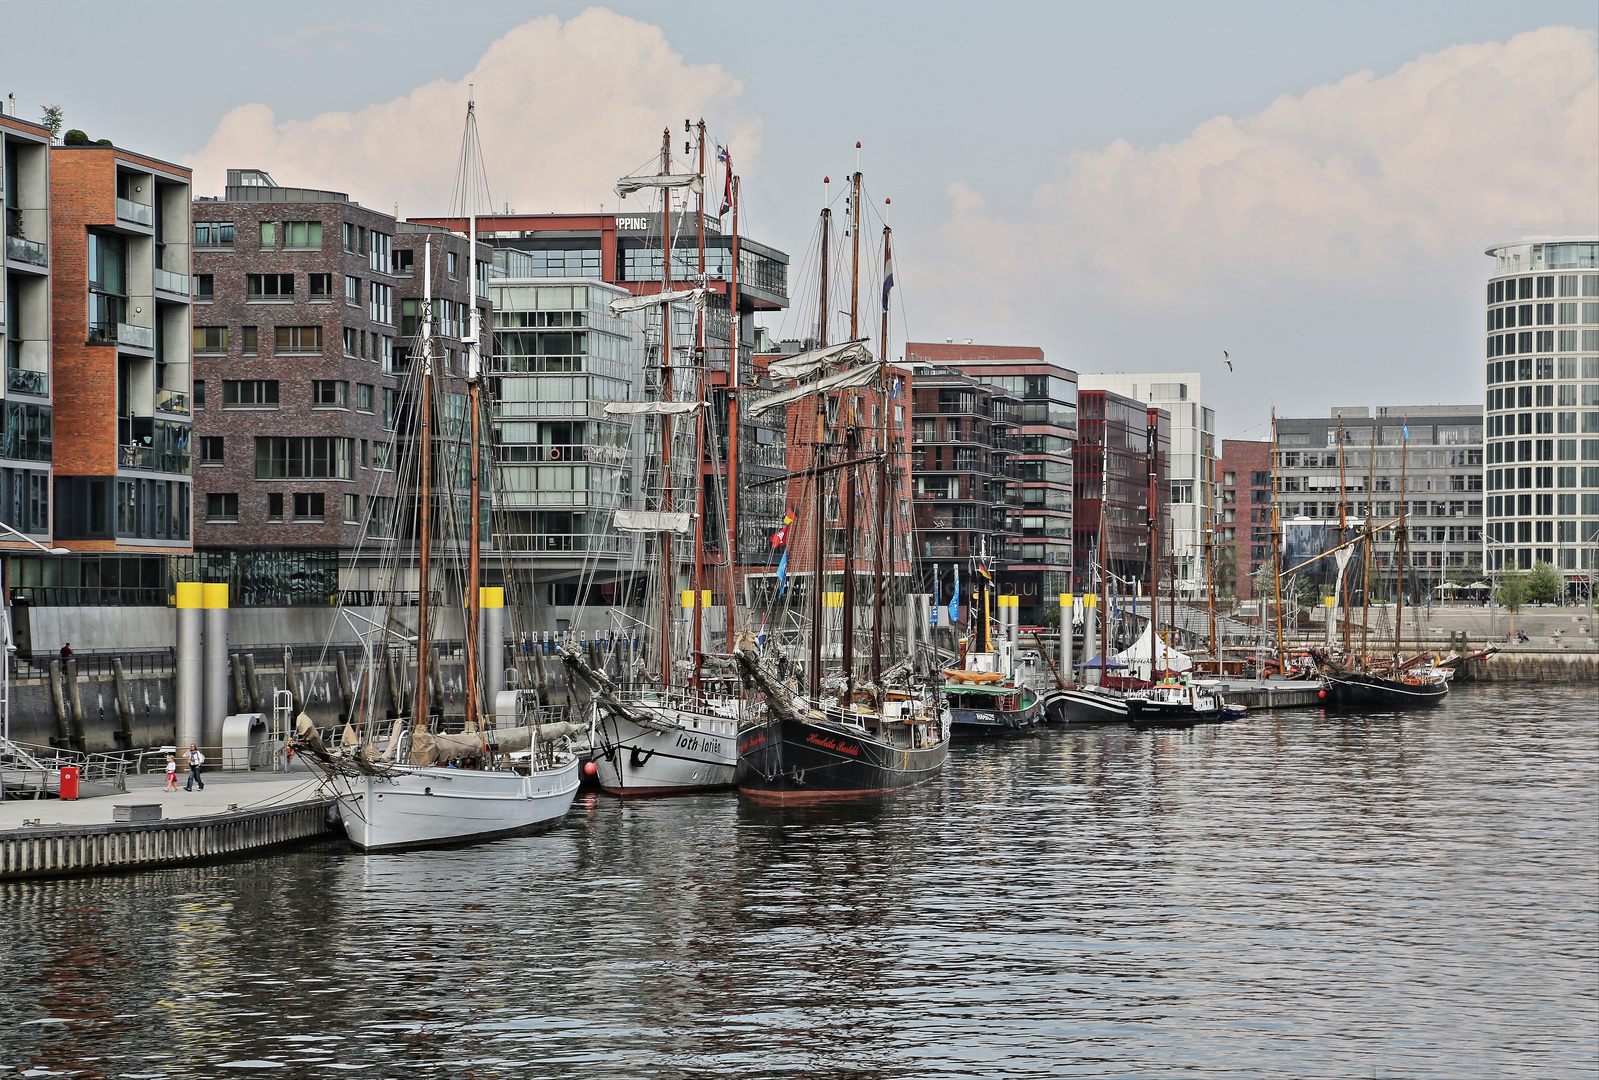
(563, 110)
(1456, 150)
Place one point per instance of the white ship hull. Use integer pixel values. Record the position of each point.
(424, 806)
(696, 752)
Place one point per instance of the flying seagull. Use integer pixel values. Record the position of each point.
(1227, 358)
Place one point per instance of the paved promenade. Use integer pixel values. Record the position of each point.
(251, 791)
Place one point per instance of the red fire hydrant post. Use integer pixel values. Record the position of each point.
(69, 782)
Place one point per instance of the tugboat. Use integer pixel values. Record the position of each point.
(1174, 703)
(986, 694)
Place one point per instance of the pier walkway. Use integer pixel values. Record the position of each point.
(237, 812)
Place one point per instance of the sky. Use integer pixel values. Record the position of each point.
(1129, 187)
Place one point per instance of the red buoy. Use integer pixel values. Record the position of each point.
(589, 768)
(1319, 693)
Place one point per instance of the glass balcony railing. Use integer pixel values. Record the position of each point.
(23, 381)
(138, 213)
(28, 251)
(167, 281)
(172, 401)
(146, 457)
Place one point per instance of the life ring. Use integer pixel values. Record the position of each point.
(555, 453)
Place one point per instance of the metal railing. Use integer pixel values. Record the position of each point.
(138, 213)
(24, 381)
(35, 763)
(167, 281)
(28, 251)
(146, 457)
(172, 401)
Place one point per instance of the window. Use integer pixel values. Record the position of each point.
(381, 455)
(222, 507)
(210, 339)
(330, 392)
(293, 339)
(389, 401)
(249, 340)
(199, 393)
(210, 449)
(352, 341)
(204, 287)
(453, 265)
(380, 303)
(307, 506)
(352, 290)
(250, 393)
(403, 263)
(269, 286)
(269, 234)
(275, 506)
(381, 249)
(383, 350)
(321, 286)
(363, 397)
(213, 234)
(352, 238)
(288, 458)
(302, 234)
(352, 509)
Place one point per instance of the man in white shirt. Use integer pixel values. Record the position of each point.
(196, 759)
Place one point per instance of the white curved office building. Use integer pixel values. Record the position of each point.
(1541, 412)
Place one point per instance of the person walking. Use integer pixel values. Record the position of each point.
(196, 759)
(172, 773)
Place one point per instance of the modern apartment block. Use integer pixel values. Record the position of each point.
(967, 501)
(1112, 493)
(1193, 461)
(26, 445)
(1043, 442)
(1437, 482)
(119, 307)
(1243, 519)
(1542, 416)
(306, 309)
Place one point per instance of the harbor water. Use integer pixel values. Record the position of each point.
(1292, 895)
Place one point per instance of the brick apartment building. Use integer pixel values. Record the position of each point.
(1113, 438)
(1243, 528)
(26, 448)
(306, 305)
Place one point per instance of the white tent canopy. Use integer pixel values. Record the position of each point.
(1166, 659)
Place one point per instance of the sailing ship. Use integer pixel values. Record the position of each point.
(677, 734)
(419, 786)
(987, 692)
(845, 735)
(1396, 683)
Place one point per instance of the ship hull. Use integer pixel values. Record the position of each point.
(981, 723)
(1371, 692)
(694, 754)
(798, 761)
(1086, 707)
(430, 806)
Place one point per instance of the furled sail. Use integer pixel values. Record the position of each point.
(637, 303)
(652, 521)
(857, 376)
(650, 408)
(801, 364)
(629, 184)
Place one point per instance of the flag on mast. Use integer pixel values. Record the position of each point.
(888, 270)
(724, 157)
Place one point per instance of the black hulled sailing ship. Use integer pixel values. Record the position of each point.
(848, 733)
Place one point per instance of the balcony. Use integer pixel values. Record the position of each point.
(138, 213)
(139, 337)
(167, 281)
(28, 251)
(172, 401)
(146, 457)
(23, 381)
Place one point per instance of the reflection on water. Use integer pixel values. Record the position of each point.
(1292, 895)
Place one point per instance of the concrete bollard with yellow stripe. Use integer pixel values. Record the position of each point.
(191, 663)
(491, 639)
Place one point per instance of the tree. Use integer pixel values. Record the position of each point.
(1511, 594)
(1224, 574)
(75, 137)
(53, 118)
(1543, 584)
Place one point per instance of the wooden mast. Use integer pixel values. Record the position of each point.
(883, 531)
(819, 571)
(1104, 563)
(1210, 556)
(1365, 579)
(851, 432)
(1343, 527)
(474, 392)
(1277, 546)
(668, 549)
(733, 334)
(701, 371)
(1152, 441)
(423, 693)
(1399, 570)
